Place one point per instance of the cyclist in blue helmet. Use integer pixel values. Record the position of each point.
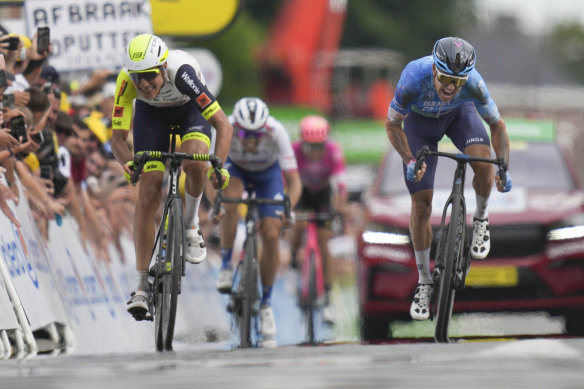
(443, 94)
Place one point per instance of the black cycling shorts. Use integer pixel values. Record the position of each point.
(317, 202)
(152, 124)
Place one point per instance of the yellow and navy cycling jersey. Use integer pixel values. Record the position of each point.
(184, 82)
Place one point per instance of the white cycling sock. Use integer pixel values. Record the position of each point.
(192, 210)
(423, 263)
(141, 280)
(481, 212)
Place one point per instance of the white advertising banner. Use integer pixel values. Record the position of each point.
(7, 317)
(88, 34)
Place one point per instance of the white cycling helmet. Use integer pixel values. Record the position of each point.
(251, 113)
(145, 51)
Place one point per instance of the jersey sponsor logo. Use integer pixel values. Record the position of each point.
(211, 110)
(121, 91)
(190, 82)
(203, 100)
(118, 112)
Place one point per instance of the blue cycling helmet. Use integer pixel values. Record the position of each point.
(454, 56)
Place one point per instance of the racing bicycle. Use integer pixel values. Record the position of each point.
(246, 291)
(311, 294)
(168, 269)
(452, 258)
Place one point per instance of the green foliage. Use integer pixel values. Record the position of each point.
(566, 44)
(408, 26)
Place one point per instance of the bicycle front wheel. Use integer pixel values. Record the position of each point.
(310, 296)
(248, 293)
(169, 271)
(451, 248)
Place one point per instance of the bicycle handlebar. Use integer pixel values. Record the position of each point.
(315, 216)
(142, 157)
(425, 151)
(258, 201)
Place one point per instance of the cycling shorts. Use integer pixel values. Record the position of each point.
(317, 202)
(462, 125)
(152, 125)
(267, 185)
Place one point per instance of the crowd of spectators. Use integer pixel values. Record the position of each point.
(54, 147)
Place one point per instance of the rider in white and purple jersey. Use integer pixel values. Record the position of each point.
(321, 164)
(443, 94)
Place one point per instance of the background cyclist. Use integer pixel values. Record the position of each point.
(169, 92)
(260, 152)
(321, 164)
(436, 95)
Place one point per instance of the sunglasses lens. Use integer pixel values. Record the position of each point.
(312, 146)
(244, 134)
(148, 76)
(447, 80)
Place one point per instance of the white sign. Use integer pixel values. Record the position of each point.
(88, 34)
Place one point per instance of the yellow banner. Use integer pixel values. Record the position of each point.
(192, 17)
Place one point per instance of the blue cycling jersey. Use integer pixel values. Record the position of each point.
(415, 92)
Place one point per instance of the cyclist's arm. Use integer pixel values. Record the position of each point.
(500, 140)
(188, 83)
(122, 118)
(294, 184)
(397, 136)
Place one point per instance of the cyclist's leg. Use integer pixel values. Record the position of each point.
(297, 230)
(469, 135)
(196, 138)
(150, 133)
(228, 226)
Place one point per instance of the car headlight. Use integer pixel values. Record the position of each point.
(570, 228)
(377, 237)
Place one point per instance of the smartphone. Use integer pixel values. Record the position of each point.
(3, 79)
(43, 39)
(13, 42)
(18, 129)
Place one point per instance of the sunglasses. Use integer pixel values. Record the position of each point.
(147, 75)
(446, 79)
(244, 134)
(308, 147)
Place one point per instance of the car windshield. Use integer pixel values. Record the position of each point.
(534, 166)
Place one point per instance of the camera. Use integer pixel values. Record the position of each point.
(18, 129)
(43, 39)
(9, 100)
(13, 42)
(3, 79)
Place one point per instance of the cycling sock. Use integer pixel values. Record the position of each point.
(481, 213)
(266, 296)
(423, 263)
(142, 280)
(192, 210)
(226, 257)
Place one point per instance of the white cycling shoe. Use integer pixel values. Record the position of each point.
(196, 251)
(481, 239)
(268, 327)
(137, 306)
(224, 281)
(420, 308)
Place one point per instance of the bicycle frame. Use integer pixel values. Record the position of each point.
(244, 302)
(312, 251)
(452, 259)
(168, 269)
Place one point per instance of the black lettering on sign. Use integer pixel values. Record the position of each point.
(39, 16)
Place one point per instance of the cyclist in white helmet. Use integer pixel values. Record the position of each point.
(260, 152)
(170, 93)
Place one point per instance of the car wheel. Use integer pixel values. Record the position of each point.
(375, 328)
(574, 323)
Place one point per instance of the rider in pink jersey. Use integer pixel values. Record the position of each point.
(321, 164)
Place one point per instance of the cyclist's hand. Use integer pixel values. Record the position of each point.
(224, 174)
(288, 222)
(128, 171)
(413, 176)
(508, 184)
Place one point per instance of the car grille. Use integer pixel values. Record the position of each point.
(511, 241)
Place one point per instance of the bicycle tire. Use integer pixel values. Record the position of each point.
(453, 239)
(170, 273)
(310, 306)
(248, 293)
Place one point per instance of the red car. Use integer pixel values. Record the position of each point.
(536, 262)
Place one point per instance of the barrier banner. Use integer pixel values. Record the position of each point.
(7, 317)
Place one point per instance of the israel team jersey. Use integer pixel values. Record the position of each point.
(415, 92)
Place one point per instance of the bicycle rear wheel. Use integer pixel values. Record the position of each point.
(309, 305)
(450, 253)
(247, 294)
(169, 273)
